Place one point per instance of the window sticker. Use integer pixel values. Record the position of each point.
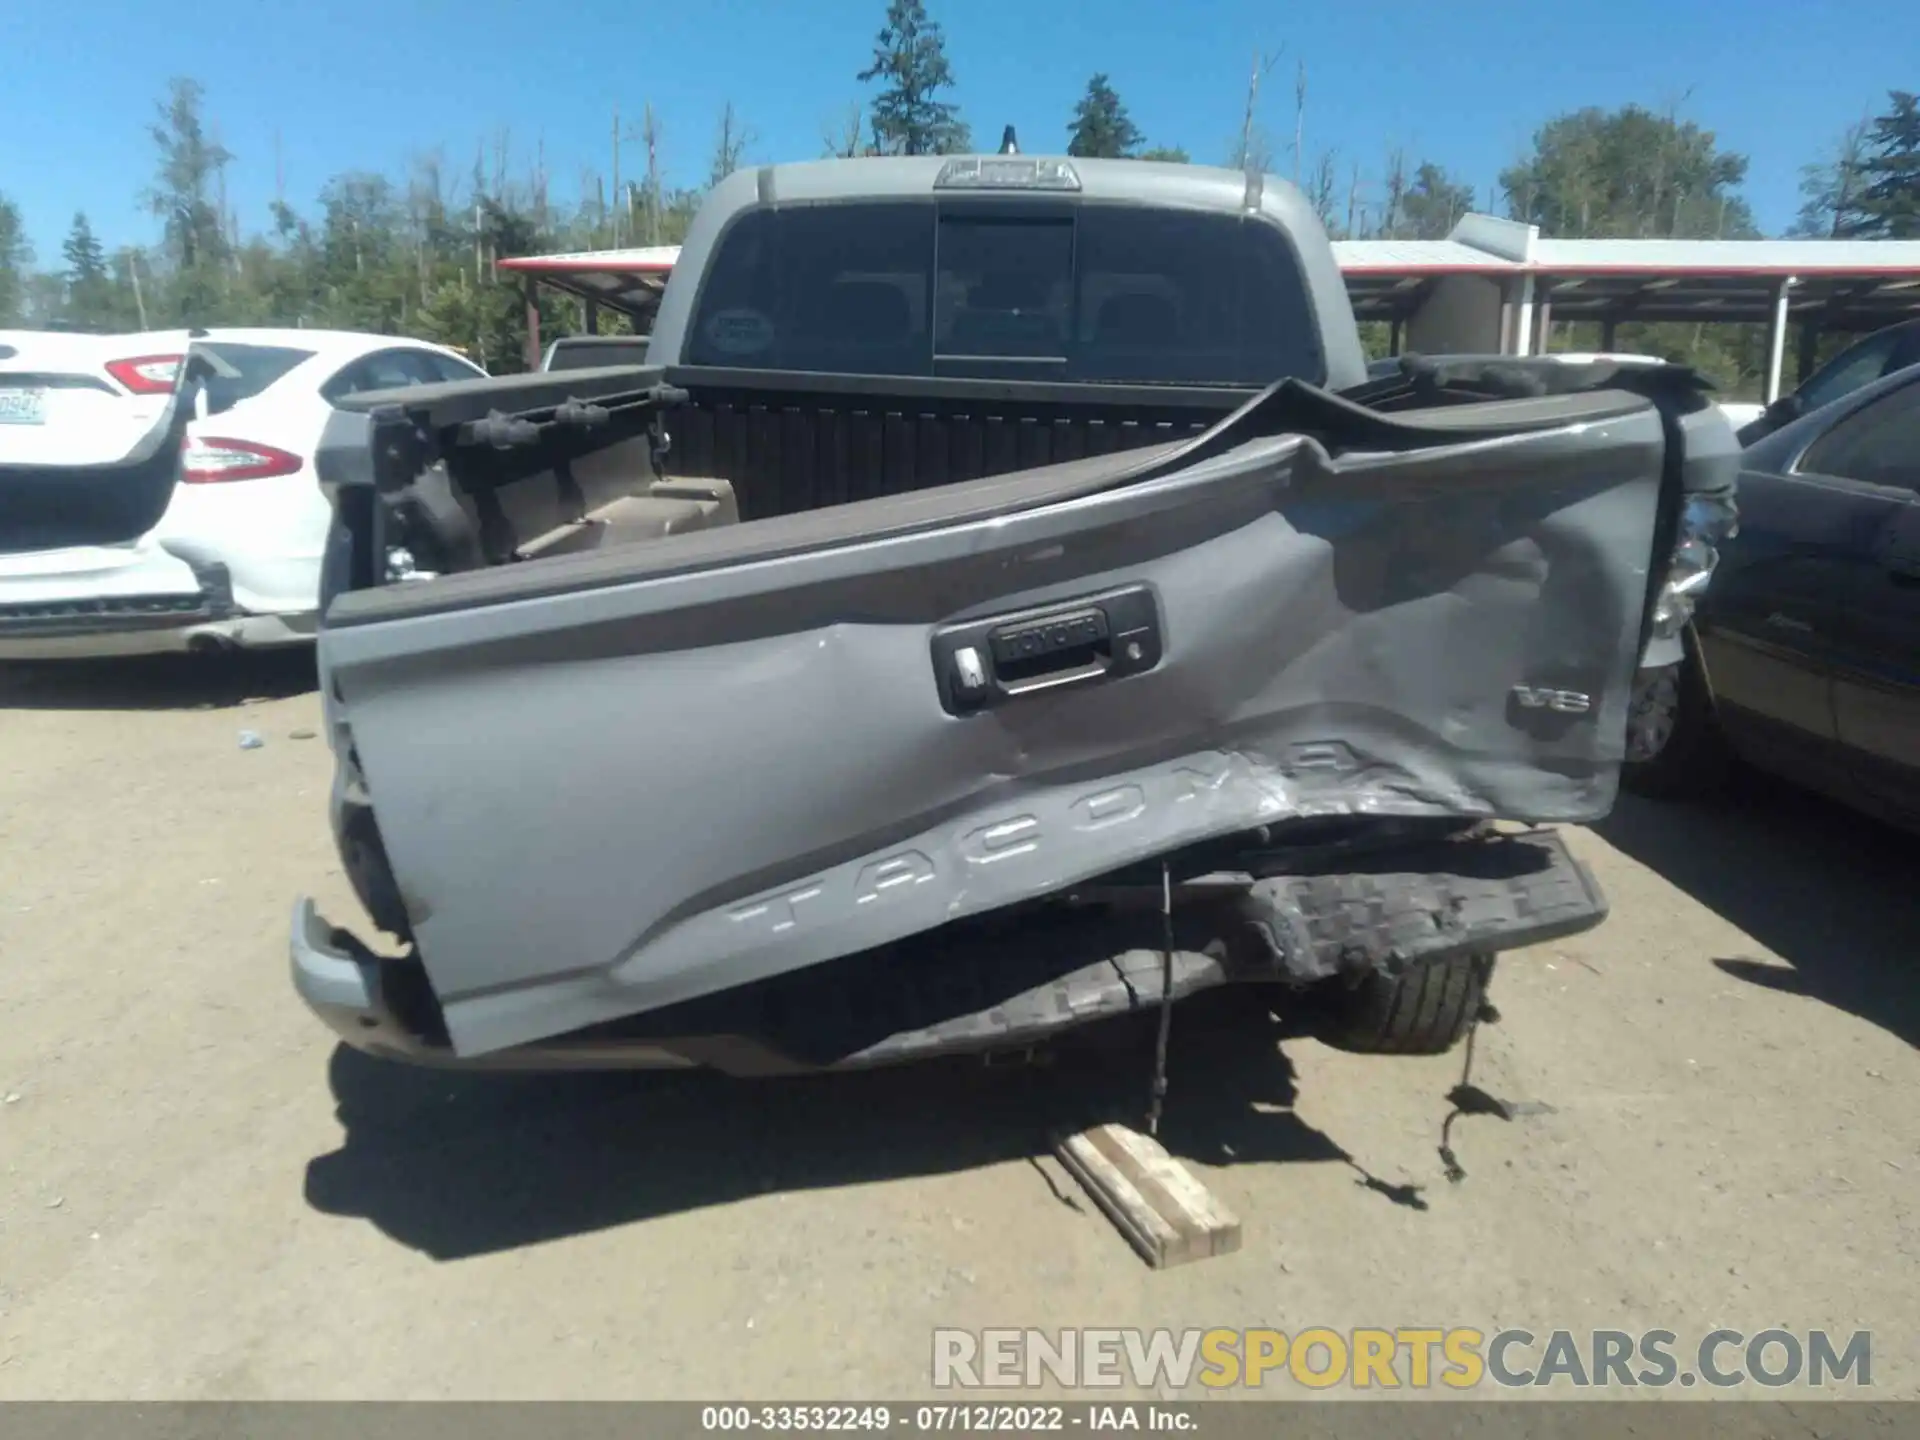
(739, 332)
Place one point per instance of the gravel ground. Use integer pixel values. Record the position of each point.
(202, 1197)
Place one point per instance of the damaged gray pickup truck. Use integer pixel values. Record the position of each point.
(1002, 587)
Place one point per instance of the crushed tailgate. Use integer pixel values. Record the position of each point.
(613, 783)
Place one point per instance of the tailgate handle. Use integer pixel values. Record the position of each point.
(1036, 654)
(983, 663)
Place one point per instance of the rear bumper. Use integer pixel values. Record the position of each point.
(346, 986)
(365, 1001)
(1019, 983)
(128, 600)
(111, 636)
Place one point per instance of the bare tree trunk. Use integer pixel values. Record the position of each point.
(1396, 194)
(845, 144)
(223, 217)
(1261, 65)
(650, 133)
(1323, 188)
(1852, 151)
(540, 180)
(730, 145)
(139, 300)
(1660, 169)
(1299, 117)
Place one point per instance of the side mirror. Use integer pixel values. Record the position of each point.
(1787, 407)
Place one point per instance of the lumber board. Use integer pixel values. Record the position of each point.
(1164, 1212)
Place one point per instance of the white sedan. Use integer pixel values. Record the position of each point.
(129, 525)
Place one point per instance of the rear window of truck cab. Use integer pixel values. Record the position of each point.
(1082, 293)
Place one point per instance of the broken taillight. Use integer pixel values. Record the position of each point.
(1706, 522)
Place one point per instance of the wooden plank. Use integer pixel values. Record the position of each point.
(1153, 1200)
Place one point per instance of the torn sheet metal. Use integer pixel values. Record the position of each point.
(602, 801)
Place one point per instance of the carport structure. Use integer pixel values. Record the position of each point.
(1497, 285)
(1492, 286)
(627, 281)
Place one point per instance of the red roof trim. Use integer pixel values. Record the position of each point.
(1446, 267)
(548, 265)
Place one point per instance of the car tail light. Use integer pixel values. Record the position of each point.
(147, 374)
(212, 458)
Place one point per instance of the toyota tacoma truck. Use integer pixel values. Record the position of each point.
(1001, 602)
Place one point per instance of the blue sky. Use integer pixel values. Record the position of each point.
(362, 84)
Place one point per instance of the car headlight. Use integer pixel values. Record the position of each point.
(1706, 522)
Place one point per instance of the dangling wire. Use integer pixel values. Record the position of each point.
(1166, 1000)
(1450, 1162)
(1468, 1098)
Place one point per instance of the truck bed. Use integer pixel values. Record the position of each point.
(548, 466)
(787, 447)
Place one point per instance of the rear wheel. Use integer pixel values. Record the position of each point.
(1674, 747)
(1426, 1009)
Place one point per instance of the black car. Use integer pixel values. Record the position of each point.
(1804, 658)
(1880, 354)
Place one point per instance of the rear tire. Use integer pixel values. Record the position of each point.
(1427, 1009)
(1675, 750)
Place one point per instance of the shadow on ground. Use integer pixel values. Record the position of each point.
(1833, 894)
(158, 682)
(459, 1165)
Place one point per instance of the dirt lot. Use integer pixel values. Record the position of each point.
(203, 1197)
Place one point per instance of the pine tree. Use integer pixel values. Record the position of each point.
(185, 200)
(89, 285)
(1101, 126)
(910, 61)
(15, 256)
(86, 259)
(1887, 205)
(1431, 206)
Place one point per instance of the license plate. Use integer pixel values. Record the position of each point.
(23, 407)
